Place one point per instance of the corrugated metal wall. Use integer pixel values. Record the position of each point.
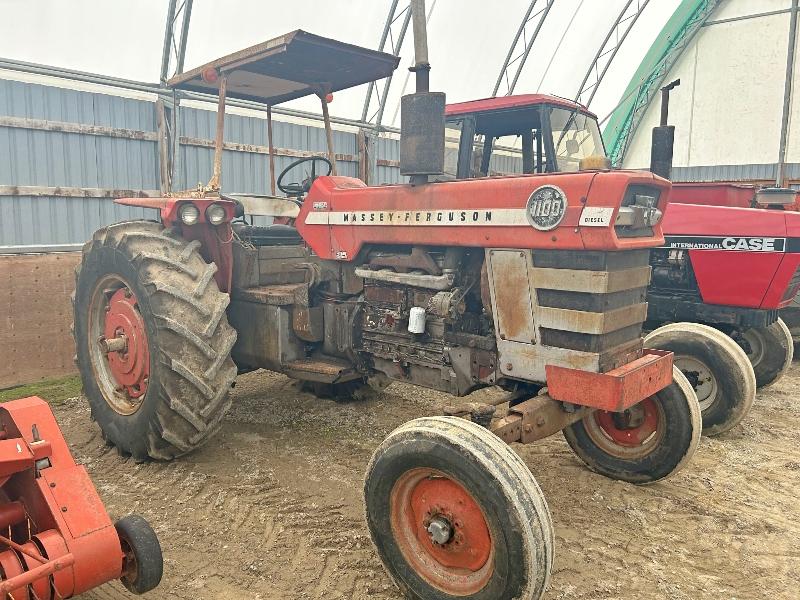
(748, 173)
(49, 158)
(30, 157)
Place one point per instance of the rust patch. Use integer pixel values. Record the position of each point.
(512, 295)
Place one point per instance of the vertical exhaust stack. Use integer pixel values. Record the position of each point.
(663, 137)
(421, 113)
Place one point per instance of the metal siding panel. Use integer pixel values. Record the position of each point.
(30, 157)
(751, 172)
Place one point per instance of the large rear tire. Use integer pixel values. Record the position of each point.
(770, 351)
(455, 513)
(647, 443)
(717, 369)
(152, 339)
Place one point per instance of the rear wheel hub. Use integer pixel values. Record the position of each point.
(633, 431)
(120, 356)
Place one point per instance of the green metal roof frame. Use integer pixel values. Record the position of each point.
(667, 48)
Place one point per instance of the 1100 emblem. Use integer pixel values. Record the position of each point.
(546, 207)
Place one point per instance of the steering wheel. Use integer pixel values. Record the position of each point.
(298, 189)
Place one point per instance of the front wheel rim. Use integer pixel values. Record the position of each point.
(630, 435)
(701, 378)
(441, 532)
(754, 346)
(118, 345)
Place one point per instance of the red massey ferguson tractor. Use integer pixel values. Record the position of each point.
(721, 276)
(504, 281)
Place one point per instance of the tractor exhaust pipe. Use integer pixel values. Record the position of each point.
(422, 67)
(663, 137)
(421, 113)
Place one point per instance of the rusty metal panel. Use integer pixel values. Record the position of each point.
(512, 297)
(265, 338)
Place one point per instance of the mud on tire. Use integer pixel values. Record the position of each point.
(470, 464)
(188, 337)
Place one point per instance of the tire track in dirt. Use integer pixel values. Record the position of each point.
(271, 508)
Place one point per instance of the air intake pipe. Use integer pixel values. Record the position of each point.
(421, 113)
(663, 137)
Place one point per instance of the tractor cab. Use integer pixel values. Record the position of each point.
(525, 134)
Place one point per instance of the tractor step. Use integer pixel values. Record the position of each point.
(325, 370)
(283, 294)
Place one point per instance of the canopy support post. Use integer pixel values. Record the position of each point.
(216, 179)
(328, 132)
(271, 151)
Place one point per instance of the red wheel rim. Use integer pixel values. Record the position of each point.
(118, 345)
(630, 434)
(461, 565)
(130, 366)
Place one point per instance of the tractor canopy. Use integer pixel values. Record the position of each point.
(288, 67)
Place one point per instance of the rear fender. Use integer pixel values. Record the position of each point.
(215, 240)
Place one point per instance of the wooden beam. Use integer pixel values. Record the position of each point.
(363, 161)
(163, 150)
(64, 127)
(382, 162)
(153, 136)
(254, 149)
(75, 192)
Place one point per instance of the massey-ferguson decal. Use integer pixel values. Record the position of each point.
(482, 216)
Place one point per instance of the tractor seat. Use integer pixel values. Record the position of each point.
(270, 235)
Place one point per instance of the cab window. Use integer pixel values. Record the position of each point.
(575, 136)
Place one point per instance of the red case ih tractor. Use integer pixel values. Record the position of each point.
(699, 300)
(739, 195)
(455, 286)
(56, 539)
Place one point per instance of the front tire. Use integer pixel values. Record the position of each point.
(152, 339)
(454, 513)
(770, 351)
(649, 442)
(717, 369)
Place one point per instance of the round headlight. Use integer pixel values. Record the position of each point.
(215, 214)
(189, 214)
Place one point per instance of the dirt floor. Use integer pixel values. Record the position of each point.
(271, 508)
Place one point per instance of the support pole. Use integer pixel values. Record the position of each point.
(216, 179)
(328, 132)
(787, 96)
(271, 152)
(163, 148)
